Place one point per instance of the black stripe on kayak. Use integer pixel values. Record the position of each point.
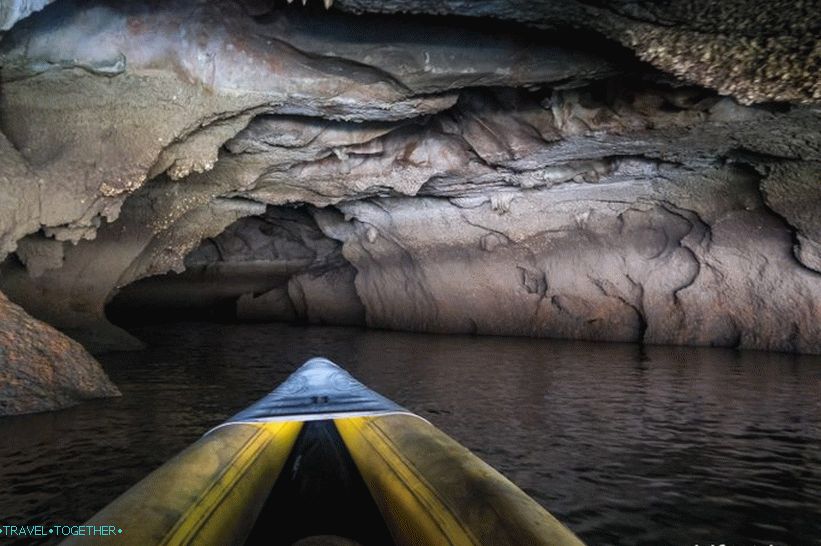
(319, 492)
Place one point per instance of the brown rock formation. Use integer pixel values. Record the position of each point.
(42, 369)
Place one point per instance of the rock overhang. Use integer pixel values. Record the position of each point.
(602, 197)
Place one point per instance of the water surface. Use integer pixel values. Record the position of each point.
(626, 445)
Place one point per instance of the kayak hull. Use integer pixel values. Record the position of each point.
(253, 475)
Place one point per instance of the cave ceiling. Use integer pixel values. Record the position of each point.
(624, 171)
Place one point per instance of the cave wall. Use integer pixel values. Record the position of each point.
(613, 171)
(658, 253)
(633, 260)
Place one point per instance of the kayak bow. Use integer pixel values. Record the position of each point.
(324, 460)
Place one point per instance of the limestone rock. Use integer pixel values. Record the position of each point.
(755, 51)
(42, 369)
(376, 164)
(21, 191)
(12, 11)
(183, 77)
(793, 190)
(611, 262)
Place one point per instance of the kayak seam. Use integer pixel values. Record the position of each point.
(209, 506)
(414, 471)
(303, 418)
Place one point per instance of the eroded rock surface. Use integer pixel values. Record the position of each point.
(419, 173)
(42, 369)
(754, 51)
(12, 11)
(552, 214)
(627, 261)
(161, 89)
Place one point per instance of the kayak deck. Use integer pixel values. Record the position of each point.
(323, 456)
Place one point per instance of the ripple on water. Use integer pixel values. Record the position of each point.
(626, 445)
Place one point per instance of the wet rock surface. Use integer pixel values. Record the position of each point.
(416, 172)
(42, 369)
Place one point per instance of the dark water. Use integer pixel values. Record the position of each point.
(625, 445)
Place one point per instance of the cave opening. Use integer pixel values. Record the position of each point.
(278, 266)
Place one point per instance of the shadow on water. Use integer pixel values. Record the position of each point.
(627, 445)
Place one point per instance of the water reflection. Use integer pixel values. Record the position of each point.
(627, 445)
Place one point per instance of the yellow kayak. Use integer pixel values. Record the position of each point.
(324, 460)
